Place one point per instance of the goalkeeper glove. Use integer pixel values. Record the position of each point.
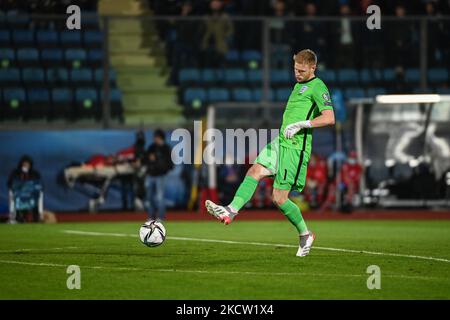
(293, 128)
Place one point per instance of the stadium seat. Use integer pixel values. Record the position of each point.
(254, 77)
(33, 76)
(86, 103)
(90, 20)
(98, 76)
(95, 57)
(232, 56)
(280, 76)
(52, 57)
(23, 38)
(38, 103)
(235, 76)
(189, 76)
(192, 94)
(9, 77)
(282, 94)
(242, 95)
(218, 95)
(347, 76)
(14, 102)
(443, 90)
(372, 92)
(377, 76)
(7, 55)
(115, 100)
(75, 56)
(258, 96)
(210, 76)
(62, 102)
(354, 93)
(327, 76)
(365, 76)
(5, 38)
(57, 76)
(47, 38)
(93, 39)
(251, 55)
(28, 57)
(70, 39)
(389, 75)
(412, 75)
(17, 20)
(81, 76)
(436, 75)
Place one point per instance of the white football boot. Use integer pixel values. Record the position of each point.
(224, 214)
(306, 242)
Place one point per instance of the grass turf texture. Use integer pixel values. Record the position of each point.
(120, 267)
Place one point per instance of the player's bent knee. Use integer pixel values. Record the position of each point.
(279, 198)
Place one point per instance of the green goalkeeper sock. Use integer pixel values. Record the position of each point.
(292, 212)
(244, 193)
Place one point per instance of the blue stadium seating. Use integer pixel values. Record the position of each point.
(412, 75)
(438, 75)
(372, 92)
(14, 103)
(249, 55)
(81, 76)
(57, 76)
(115, 99)
(254, 76)
(62, 102)
(86, 103)
(70, 39)
(282, 94)
(282, 76)
(327, 76)
(93, 39)
(354, 93)
(5, 38)
(52, 57)
(33, 76)
(257, 94)
(17, 20)
(28, 57)
(232, 56)
(347, 76)
(23, 38)
(95, 57)
(47, 38)
(7, 54)
(389, 75)
(38, 103)
(191, 94)
(210, 76)
(365, 76)
(218, 95)
(98, 75)
(9, 77)
(235, 76)
(72, 55)
(187, 76)
(443, 90)
(242, 95)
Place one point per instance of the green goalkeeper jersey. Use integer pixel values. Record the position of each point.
(307, 101)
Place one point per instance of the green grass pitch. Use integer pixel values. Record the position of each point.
(258, 262)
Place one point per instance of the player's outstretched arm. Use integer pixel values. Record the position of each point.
(326, 118)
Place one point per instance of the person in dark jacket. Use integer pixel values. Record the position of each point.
(25, 192)
(159, 163)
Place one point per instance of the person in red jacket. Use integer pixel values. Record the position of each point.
(350, 176)
(316, 178)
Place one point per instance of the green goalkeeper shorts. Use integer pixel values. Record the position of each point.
(288, 165)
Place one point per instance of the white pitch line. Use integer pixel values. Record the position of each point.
(58, 265)
(36, 249)
(263, 244)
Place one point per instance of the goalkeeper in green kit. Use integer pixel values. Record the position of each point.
(286, 157)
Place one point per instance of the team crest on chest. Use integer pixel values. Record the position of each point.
(303, 89)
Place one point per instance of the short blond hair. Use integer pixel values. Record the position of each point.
(306, 56)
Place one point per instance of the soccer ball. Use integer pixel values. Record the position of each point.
(152, 233)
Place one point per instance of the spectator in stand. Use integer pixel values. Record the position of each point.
(279, 37)
(351, 172)
(159, 163)
(345, 38)
(25, 192)
(317, 178)
(217, 36)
